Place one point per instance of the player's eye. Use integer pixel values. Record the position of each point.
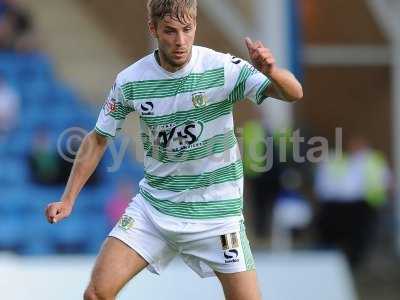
(187, 29)
(169, 31)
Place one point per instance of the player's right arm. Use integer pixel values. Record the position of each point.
(90, 152)
(89, 155)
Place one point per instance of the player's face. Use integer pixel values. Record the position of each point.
(175, 41)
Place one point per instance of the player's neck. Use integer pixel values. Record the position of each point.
(163, 62)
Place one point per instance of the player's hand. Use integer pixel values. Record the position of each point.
(57, 211)
(261, 57)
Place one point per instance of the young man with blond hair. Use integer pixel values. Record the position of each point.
(190, 200)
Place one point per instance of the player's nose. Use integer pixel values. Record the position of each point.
(180, 39)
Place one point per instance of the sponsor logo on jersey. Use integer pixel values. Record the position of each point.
(179, 137)
(147, 108)
(126, 222)
(110, 106)
(199, 100)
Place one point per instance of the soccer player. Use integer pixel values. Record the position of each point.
(190, 200)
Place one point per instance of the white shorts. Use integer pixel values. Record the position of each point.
(205, 246)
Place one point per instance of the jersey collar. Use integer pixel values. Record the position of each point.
(181, 72)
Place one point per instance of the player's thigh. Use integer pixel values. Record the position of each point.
(116, 264)
(240, 286)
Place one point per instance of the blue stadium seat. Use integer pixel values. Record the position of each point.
(34, 66)
(9, 67)
(62, 94)
(37, 247)
(90, 202)
(11, 231)
(15, 202)
(71, 235)
(19, 144)
(98, 232)
(14, 172)
(36, 236)
(42, 195)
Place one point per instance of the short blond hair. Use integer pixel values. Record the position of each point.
(181, 10)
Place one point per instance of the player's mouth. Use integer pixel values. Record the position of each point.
(179, 54)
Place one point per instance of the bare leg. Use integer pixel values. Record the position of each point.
(240, 286)
(116, 264)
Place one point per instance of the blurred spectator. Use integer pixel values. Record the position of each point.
(44, 161)
(291, 213)
(66, 156)
(351, 189)
(119, 201)
(2, 7)
(9, 108)
(16, 29)
(47, 165)
(6, 31)
(261, 168)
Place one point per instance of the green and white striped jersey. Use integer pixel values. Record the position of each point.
(193, 167)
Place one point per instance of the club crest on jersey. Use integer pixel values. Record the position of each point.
(126, 222)
(110, 106)
(199, 100)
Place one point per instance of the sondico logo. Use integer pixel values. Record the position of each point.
(230, 243)
(231, 256)
(147, 108)
(179, 137)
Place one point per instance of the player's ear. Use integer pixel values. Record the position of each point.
(152, 29)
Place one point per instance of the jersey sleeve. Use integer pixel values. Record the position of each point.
(113, 113)
(244, 81)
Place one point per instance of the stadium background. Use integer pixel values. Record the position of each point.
(344, 52)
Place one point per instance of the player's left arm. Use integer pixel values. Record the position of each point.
(284, 84)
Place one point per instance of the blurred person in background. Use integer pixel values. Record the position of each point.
(44, 162)
(9, 108)
(47, 165)
(261, 168)
(350, 190)
(119, 200)
(2, 6)
(16, 28)
(292, 213)
(6, 29)
(190, 200)
(67, 152)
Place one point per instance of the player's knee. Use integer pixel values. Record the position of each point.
(93, 293)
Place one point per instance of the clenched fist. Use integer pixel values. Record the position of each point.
(261, 57)
(57, 211)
